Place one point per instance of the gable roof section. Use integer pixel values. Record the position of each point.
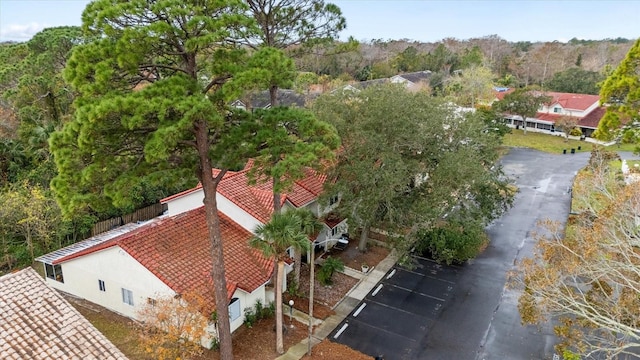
(285, 97)
(177, 251)
(257, 199)
(572, 101)
(198, 187)
(417, 76)
(593, 118)
(36, 322)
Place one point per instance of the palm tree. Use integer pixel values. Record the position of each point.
(283, 231)
(309, 225)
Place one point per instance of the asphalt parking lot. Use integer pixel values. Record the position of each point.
(469, 313)
(410, 300)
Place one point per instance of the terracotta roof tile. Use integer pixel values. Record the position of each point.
(198, 187)
(572, 101)
(177, 250)
(257, 200)
(593, 118)
(38, 323)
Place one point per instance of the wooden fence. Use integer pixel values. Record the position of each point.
(143, 214)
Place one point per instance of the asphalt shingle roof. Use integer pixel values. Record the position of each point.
(36, 322)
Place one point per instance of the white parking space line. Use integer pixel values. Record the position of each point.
(375, 292)
(393, 272)
(355, 314)
(342, 329)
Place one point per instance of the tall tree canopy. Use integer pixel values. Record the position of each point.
(284, 23)
(408, 160)
(575, 80)
(37, 97)
(151, 110)
(289, 25)
(621, 92)
(472, 86)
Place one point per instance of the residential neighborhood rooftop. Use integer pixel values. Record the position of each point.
(176, 249)
(257, 199)
(36, 322)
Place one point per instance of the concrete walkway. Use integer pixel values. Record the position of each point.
(342, 309)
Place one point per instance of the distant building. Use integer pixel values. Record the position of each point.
(586, 108)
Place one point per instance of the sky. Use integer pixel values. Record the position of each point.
(419, 20)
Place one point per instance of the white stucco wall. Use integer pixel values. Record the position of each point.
(118, 270)
(185, 203)
(248, 300)
(237, 214)
(194, 200)
(569, 112)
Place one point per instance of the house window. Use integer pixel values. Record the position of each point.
(54, 272)
(101, 285)
(127, 296)
(234, 309)
(333, 200)
(557, 110)
(334, 231)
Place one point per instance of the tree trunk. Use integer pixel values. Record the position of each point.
(277, 206)
(362, 245)
(273, 96)
(312, 266)
(297, 262)
(209, 186)
(278, 290)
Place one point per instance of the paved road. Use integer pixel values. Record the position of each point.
(468, 312)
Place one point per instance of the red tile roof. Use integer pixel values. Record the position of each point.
(257, 200)
(593, 118)
(548, 117)
(36, 322)
(572, 101)
(501, 94)
(177, 250)
(198, 187)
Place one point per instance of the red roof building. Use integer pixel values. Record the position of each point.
(586, 108)
(165, 256)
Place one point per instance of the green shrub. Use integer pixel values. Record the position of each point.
(215, 344)
(293, 288)
(576, 131)
(452, 242)
(250, 317)
(258, 312)
(329, 266)
(268, 311)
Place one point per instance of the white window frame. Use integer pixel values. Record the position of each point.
(127, 296)
(234, 309)
(335, 231)
(54, 272)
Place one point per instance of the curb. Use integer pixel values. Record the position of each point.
(343, 308)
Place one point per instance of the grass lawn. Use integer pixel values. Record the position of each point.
(122, 332)
(554, 144)
(544, 142)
